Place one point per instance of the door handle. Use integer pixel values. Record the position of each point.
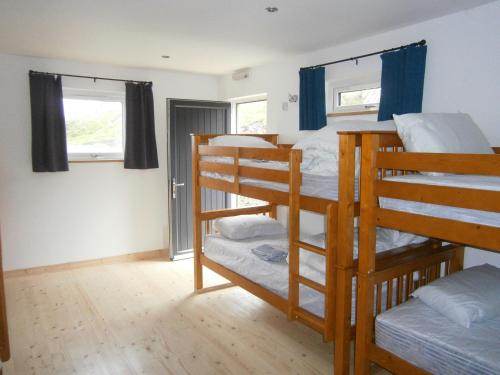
(175, 185)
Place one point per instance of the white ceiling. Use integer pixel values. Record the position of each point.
(206, 36)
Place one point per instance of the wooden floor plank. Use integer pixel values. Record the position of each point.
(143, 318)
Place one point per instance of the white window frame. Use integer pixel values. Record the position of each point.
(109, 96)
(236, 104)
(354, 108)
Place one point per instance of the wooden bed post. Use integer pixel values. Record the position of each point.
(366, 265)
(345, 240)
(293, 231)
(457, 262)
(197, 240)
(273, 214)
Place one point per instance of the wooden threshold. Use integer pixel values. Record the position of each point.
(133, 257)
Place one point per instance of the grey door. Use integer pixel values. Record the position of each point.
(188, 117)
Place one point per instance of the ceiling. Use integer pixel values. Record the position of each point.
(205, 36)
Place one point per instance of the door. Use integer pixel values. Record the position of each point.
(188, 117)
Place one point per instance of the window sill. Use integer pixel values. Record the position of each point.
(97, 161)
(356, 113)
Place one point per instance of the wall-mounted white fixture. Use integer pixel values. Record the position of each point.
(293, 98)
(241, 74)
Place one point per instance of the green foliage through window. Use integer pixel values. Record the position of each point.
(94, 126)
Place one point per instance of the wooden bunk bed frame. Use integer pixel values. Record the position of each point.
(339, 216)
(376, 161)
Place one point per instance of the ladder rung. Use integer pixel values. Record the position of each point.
(312, 248)
(312, 284)
(310, 319)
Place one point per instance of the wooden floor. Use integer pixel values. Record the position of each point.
(143, 318)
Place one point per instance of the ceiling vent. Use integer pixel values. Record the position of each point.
(240, 74)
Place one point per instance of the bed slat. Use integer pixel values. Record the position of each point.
(475, 235)
(488, 165)
(475, 199)
(312, 284)
(312, 248)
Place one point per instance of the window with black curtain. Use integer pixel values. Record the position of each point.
(48, 129)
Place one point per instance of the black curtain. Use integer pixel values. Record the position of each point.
(140, 140)
(402, 82)
(48, 128)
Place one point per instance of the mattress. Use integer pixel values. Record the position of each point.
(429, 340)
(237, 256)
(313, 185)
(447, 212)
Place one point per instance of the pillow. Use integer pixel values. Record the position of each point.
(442, 133)
(248, 226)
(320, 150)
(472, 295)
(240, 141)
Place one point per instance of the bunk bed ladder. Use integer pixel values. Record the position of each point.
(326, 324)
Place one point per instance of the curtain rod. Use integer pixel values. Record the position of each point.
(89, 77)
(355, 58)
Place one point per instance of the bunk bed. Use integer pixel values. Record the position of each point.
(286, 187)
(454, 198)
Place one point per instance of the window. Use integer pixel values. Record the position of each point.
(94, 125)
(251, 117)
(356, 98)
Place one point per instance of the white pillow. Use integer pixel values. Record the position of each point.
(442, 133)
(320, 150)
(472, 295)
(240, 141)
(248, 226)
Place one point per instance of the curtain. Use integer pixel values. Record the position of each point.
(402, 83)
(312, 102)
(140, 140)
(48, 128)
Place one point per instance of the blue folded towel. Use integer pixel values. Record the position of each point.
(270, 253)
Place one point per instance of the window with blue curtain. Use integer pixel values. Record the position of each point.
(312, 99)
(402, 82)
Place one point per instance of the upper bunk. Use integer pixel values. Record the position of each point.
(275, 174)
(452, 197)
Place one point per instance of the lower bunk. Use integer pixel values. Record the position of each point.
(449, 326)
(432, 342)
(235, 260)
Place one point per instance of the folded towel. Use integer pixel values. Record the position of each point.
(270, 253)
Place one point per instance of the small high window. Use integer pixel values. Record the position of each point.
(356, 98)
(94, 125)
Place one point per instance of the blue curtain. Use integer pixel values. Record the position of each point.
(312, 99)
(402, 82)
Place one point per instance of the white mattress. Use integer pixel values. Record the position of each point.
(447, 212)
(237, 256)
(429, 340)
(313, 185)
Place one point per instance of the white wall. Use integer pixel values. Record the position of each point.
(462, 74)
(95, 210)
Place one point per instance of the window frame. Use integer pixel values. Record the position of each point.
(104, 96)
(337, 91)
(238, 103)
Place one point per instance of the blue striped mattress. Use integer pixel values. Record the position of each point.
(431, 341)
